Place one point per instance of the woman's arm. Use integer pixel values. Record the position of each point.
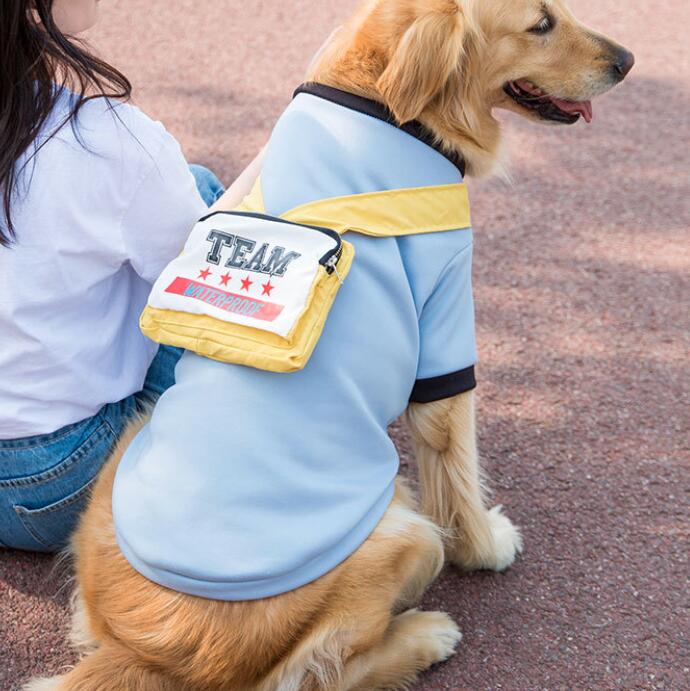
(241, 187)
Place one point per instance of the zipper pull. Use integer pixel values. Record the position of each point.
(332, 266)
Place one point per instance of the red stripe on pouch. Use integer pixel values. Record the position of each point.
(228, 302)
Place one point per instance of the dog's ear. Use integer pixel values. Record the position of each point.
(422, 63)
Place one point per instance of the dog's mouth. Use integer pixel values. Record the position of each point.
(548, 107)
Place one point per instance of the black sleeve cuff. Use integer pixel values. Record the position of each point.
(445, 386)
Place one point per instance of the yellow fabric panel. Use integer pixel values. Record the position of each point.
(245, 345)
(411, 211)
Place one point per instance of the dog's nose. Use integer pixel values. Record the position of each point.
(623, 62)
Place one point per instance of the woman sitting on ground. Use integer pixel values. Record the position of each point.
(97, 199)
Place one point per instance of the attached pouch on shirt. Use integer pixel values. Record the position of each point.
(254, 289)
(249, 289)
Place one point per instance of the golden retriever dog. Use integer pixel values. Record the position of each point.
(448, 64)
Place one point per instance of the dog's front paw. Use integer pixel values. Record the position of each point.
(507, 540)
(496, 553)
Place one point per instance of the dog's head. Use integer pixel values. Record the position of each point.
(449, 63)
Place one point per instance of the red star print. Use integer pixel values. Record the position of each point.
(246, 283)
(224, 279)
(267, 288)
(204, 273)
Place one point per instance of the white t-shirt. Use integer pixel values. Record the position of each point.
(100, 210)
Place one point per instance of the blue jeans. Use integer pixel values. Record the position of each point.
(45, 480)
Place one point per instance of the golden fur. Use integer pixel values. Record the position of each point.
(444, 62)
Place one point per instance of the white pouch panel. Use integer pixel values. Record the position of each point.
(247, 269)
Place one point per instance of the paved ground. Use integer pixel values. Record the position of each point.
(581, 272)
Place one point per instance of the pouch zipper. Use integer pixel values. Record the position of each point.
(329, 260)
(331, 264)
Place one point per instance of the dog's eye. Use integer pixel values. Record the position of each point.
(544, 26)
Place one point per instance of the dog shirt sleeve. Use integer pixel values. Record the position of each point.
(446, 331)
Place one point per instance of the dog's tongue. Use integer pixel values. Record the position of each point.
(583, 108)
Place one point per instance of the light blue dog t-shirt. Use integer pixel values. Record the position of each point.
(247, 483)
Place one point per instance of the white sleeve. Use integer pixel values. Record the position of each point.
(163, 210)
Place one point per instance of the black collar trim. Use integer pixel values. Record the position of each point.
(379, 111)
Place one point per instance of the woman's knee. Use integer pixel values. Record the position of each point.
(207, 182)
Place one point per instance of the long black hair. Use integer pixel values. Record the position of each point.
(36, 60)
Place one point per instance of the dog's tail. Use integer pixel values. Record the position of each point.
(109, 668)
